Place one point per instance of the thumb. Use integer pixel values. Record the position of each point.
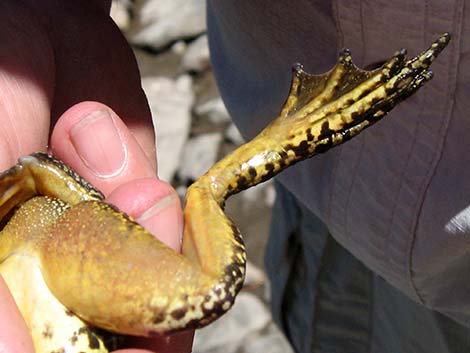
(94, 141)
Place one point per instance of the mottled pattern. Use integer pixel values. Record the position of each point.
(72, 261)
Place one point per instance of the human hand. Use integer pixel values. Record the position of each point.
(58, 55)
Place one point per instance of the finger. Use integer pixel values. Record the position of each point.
(14, 335)
(94, 141)
(155, 205)
(26, 84)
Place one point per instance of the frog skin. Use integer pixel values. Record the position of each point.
(83, 273)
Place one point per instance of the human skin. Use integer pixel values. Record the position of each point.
(69, 83)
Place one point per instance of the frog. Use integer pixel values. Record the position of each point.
(84, 274)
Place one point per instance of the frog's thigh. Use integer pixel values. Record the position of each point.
(53, 327)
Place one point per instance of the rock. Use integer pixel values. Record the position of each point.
(248, 316)
(199, 154)
(205, 87)
(160, 22)
(170, 102)
(166, 64)
(120, 13)
(179, 47)
(273, 342)
(233, 135)
(214, 109)
(263, 192)
(270, 195)
(197, 56)
(255, 277)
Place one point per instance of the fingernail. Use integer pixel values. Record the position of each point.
(99, 145)
(162, 219)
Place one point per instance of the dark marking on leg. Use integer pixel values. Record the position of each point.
(325, 130)
(252, 172)
(310, 137)
(178, 314)
(48, 332)
(242, 183)
(93, 342)
(158, 318)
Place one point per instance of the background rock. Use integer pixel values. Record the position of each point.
(196, 57)
(214, 109)
(170, 103)
(199, 154)
(161, 22)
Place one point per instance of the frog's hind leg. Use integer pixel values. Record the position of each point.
(42, 174)
(321, 111)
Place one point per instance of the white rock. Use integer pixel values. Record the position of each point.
(233, 134)
(199, 154)
(270, 195)
(181, 191)
(215, 110)
(255, 276)
(273, 342)
(179, 47)
(166, 64)
(170, 102)
(248, 316)
(160, 22)
(120, 13)
(197, 56)
(263, 192)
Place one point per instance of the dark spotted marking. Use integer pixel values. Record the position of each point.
(242, 183)
(282, 163)
(59, 350)
(324, 145)
(74, 338)
(349, 102)
(68, 312)
(310, 137)
(269, 174)
(179, 313)
(301, 150)
(355, 116)
(252, 172)
(325, 131)
(365, 93)
(236, 235)
(269, 167)
(93, 342)
(158, 318)
(48, 332)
